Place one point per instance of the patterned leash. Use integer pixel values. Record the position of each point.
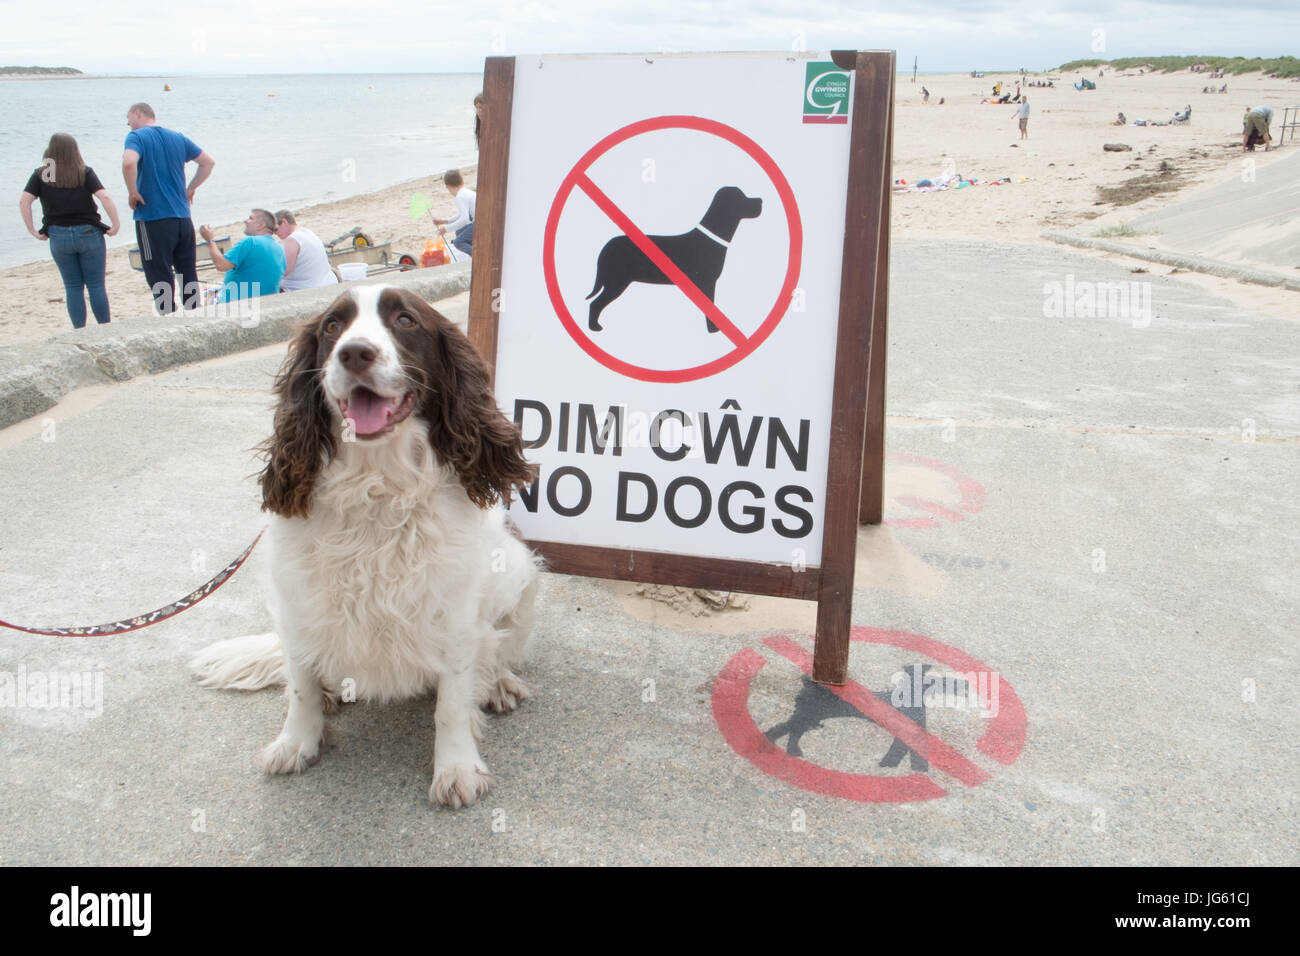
(153, 617)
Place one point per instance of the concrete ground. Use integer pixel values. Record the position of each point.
(1249, 219)
(1124, 556)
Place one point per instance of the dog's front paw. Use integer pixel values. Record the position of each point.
(459, 785)
(507, 693)
(285, 754)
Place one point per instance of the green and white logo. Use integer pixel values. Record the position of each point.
(826, 93)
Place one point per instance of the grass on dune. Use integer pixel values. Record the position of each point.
(1283, 66)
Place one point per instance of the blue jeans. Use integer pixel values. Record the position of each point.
(81, 256)
(464, 239)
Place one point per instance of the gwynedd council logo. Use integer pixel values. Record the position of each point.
(826, 93)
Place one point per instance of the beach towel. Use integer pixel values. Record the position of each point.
(940, 185)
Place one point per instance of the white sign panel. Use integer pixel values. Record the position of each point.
(670, 296)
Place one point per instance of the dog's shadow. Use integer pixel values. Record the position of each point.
(373, 751)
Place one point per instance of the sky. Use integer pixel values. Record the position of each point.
(400, 36)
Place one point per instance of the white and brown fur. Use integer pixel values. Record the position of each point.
(391, 562)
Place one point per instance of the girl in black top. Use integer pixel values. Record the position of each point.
(67, 189)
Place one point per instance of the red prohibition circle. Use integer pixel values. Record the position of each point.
(579, 172)
(1003, 738)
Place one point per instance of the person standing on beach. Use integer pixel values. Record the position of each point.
(255, 265)
(1022, 113)
(153, 166)
(67, 189)
(306, 263)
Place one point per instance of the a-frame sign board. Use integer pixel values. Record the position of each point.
(681, 282)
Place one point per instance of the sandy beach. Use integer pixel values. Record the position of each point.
(33, 306)
(1054, 176)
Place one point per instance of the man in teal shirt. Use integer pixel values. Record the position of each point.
(255, 265)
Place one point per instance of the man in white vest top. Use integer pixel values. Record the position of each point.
(307, 266)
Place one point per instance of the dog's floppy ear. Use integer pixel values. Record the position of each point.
(466, 428)
(303, 438)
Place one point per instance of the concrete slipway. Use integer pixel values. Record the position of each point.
(1124, 556)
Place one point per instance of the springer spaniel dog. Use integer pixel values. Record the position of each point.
(393, 571)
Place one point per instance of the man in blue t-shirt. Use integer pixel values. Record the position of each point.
(153, 165)
(255, 265)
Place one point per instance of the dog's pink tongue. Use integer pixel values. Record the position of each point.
(368, 411)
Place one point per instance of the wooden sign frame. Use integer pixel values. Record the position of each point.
(855, 475)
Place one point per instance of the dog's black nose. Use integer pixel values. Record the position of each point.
(358, 354)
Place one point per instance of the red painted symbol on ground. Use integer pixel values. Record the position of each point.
(1002, 740)
(578, 179)
(969, 492)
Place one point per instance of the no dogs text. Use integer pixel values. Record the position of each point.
(673, 435)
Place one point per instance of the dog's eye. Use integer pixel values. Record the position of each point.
(332, 327)
(404, 321)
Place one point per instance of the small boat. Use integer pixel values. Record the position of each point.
(167, 88)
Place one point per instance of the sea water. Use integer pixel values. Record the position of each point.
(279, 141)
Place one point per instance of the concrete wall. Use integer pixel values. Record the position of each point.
(36, 376)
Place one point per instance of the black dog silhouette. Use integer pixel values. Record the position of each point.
(816, 703)
(697, 253)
